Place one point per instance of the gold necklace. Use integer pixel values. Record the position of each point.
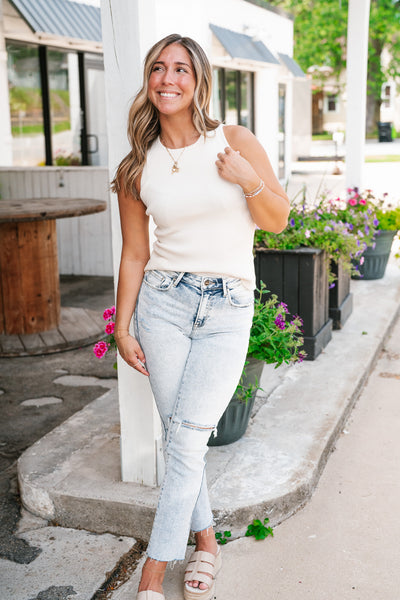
(175, 167)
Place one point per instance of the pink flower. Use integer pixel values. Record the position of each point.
(100, 349)
(110, 328)
(108, 313)
(362, 201)
(352, 201)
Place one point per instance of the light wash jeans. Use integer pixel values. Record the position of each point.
(194, 332)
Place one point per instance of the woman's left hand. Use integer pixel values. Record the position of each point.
(233, 167)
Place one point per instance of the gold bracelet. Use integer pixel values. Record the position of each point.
(257, 191)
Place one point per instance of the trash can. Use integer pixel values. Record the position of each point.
(384, 131)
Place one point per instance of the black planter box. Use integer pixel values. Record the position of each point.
(299, 278)
(340, 298)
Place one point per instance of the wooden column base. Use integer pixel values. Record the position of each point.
(29, 280)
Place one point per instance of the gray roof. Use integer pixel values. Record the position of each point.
(292, 65)
(61, 17)
(239, 45)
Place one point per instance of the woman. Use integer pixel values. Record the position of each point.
(206, 186)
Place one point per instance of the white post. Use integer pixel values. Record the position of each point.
(128, 30)
(356, 89)
(5, 121)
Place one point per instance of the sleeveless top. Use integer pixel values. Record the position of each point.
(203, 224)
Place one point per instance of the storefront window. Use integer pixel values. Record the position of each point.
(25, 105)
(96, 134)
(233, 97)
(246, 100)
(217, 100)
(65, 111)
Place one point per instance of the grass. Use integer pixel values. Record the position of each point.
(383, 158)
(322, 136)
(37, 128)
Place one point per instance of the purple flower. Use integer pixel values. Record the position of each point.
(292, 222)
(351, 226)
(280, 322)
(375, 222)
(302, 355)
(284, 306)
(327, 228)
(296, 318)
(366, 229)
(332, 285)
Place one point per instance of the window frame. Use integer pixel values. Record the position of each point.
(45, 94)
(221, 81)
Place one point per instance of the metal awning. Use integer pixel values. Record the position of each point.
(291, 65)
(61, 17)
(239, 45)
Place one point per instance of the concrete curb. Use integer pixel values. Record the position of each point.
(72, 475)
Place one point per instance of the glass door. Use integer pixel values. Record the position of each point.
(96, 133)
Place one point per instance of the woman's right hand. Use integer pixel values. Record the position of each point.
(132, 353)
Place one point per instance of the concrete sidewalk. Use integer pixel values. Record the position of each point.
(71, 476)
(344, 544)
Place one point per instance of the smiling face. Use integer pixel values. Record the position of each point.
(172, 81)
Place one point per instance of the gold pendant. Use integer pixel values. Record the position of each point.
(175, 168)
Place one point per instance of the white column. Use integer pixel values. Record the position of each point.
(128, 30)
(267, 112)
(288, 127)
(5, 120)
(356, 90)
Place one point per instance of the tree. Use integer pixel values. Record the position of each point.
(320, 31)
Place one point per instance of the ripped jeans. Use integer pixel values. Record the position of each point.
(194, 331)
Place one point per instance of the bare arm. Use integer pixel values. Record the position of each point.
(135, 254)
(245, 162)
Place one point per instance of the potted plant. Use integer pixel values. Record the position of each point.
(275, 338)
(358, 216)
(376, 255)
(299, 264)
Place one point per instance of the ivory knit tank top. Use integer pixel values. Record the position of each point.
(202, 221)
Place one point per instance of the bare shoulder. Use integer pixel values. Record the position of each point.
(242, 139)
(237, 135)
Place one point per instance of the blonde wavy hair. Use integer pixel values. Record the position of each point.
(143, 120)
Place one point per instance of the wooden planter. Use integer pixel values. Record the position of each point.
(340, 298)
(299, 278)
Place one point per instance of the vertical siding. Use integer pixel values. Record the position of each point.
(84, 243)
